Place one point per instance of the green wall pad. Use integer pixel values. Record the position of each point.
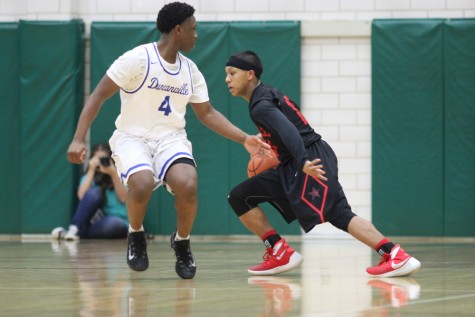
(221, 163)
(43, 77)
(50, 96)
(10, 135)
(459, 137)
(423, 114)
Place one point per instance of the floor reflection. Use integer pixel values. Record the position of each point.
(282, 295)
(91, 278)
(331, 281)
(397, 292)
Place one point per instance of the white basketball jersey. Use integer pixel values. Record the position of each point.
(154, 94)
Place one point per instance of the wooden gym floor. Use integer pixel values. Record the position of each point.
(39, 277)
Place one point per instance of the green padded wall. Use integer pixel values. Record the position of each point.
(10, 135)
(50, 95)
(459, 151)
(423, 115)
(44, 81)
(407, 110)
(221, 163)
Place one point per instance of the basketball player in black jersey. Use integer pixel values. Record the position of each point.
(304, 186)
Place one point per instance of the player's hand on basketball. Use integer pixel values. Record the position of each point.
(314, 169)
(254, 144)
(77, 152)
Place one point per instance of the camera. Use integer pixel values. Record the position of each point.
(105, 161)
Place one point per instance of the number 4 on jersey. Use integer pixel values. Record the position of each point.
(165, 106)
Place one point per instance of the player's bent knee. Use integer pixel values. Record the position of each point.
(238, 201)
(141, 181)
(188, 188)
(343, 221)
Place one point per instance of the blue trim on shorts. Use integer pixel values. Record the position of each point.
(171, 159)
(124, 176)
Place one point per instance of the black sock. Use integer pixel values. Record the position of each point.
(386, 248)
(271, 238)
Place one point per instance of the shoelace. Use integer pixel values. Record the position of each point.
(138, 249)
(185, 258)
(183, 254)
(385, 258)
(267, 255)
(270, 252)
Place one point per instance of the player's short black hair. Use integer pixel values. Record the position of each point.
(172, 14)
(247, 60)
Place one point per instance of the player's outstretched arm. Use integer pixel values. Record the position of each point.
(103, 91)
(218, 123)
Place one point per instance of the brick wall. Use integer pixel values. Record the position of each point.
(213, 10)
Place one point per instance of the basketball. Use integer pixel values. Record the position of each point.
(258, 164)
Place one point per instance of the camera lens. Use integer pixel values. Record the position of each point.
(105, 161)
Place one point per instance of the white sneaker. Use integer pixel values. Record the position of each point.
(72, 234)
(58, 233)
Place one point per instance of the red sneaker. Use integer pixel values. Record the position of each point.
(397, 263)
(279, 259)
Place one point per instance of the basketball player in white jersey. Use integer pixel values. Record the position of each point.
(150, 145)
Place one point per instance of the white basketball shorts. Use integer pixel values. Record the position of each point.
(132, 154)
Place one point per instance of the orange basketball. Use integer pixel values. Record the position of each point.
(258, 164)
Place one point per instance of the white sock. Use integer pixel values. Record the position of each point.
(133, 230)
(178, 238)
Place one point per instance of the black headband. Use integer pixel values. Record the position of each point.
(237, 62)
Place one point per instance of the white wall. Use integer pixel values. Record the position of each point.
(336, 58)
(224, 10)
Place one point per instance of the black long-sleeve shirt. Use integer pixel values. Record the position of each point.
(281, 124)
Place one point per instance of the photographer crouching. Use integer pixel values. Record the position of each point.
(101, 212)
